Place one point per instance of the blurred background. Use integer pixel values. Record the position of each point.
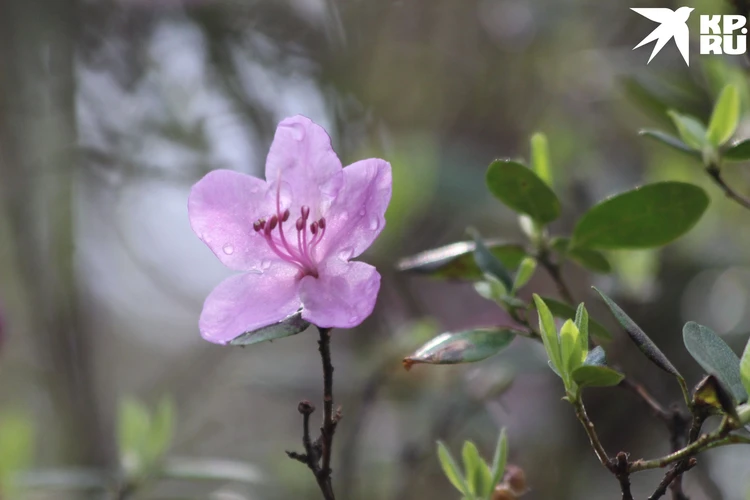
(111, 109)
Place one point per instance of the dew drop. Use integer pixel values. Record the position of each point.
(346, 253)
(374, 223)
(228, 249)
(265, 264)
(353, 319)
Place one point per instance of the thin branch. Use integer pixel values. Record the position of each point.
(556, 274)
(715, 173)
(672, 475)
(623, 475)
(705, 442)
(588, 426)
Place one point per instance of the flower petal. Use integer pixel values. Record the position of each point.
(223, 206)
(246, 302)
(342, 296)
(357, 215)
(301, 156)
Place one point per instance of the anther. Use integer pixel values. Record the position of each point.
(314, 228)
(305, 212)
(258, 225)
(285, 215)
(300, 224)
(322, 223)
(272, 223)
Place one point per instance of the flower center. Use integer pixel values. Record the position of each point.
(300, 255)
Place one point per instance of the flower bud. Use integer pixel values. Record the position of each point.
(515, 478)
(503, 493)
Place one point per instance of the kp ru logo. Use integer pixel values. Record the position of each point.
(718, 35)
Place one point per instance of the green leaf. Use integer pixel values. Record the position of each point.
(645, 344)
(714, 356)
(649, 216)
(564, 311)
(473, 465)
(487, 262)
(456, 261)
(133, 432)
(540, 157)
(500, 458)
(491, 289)
(739, 151)
(692, 132)
(451, 470)
(596, 357)
(745, 368)
(671, 141)
(462, 347)
(525, 272)
(523, 191)
(161, 430)
(725, 116)
(549, 334)
(291, 325)
(592, 260)
(570, 348)
(16, 450)
(582, 323)
(596, 376)
(711, 393)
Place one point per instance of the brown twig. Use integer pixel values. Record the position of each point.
(715, 173)
(623, 475)
(317, 455)
(673, 474)
(555, 273)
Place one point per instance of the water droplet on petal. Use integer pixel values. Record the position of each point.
(265, 264)
(362, 212)
(374, 222)
(344, 215)
(353, 319)
(346, 253)
(228, 249)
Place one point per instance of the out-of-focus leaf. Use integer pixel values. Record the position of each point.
(725, 116)
(525, 272)
(592, 260)
(451, 470)
(491, 289)
(456, 261)
(462, 347)
(540, 157)
(500, 458)
(712, 393)
(488, 263)
(162, 429)
(714, 356)
(582, 323)
(522, 190)
(16, 451)
(739, 151)
(564, 311)
(133, 428)
(596, 376)
(743, 414)
(692, 132)
(649, 216)
(671, 141)
(645, 344)
(596, 357)
(548, 332)
(745, 368)
(291, 325)
(560, 244)
(210, 470)
(473, 465)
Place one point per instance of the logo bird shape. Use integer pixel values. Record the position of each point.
(672, 24)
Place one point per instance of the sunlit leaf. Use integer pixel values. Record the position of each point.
(745, 368)
(582, 323)
(161, 430)
(564, 311)
(500, 458)
(522, 190)
(473, 465)
(456, 261)
(596, 376)
(461, 347)
(133, 428)
(715, 357)
(671, 141)
(291, 325)
(649, 216)
(592, 260)
(548, 332)
(739, 151)
(540, 157)
(451, 470)
(692, 132)
(525, 272)
(645, 344)
(570, 348)
(725, 116)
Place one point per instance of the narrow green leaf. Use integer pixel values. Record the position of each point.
(522, 190)
(564, 311)
(500, 458)
(739, 151)
(596, 357)
(549, 334)
(596, 376)
(646, 217)
(745, 368)
(491, 289)
(487, 262)
(645, 344)
(462, 347)
(456, 261)
(451, 470)
(725, 116)
(592, 260)
(472, 468)
(291, 325)
(540, 157)
(525, 272)
(161, 430)
(671, 141)
(570, 348)
(692, 132)
(582, 323)
(714, 356)
(133, 428)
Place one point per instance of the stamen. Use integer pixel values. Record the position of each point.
(314, 228)
(300, 224)
(322, 223)
(285, 215)
(258, 225)
(305, 212)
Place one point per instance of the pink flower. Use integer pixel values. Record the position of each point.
(293, 234)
